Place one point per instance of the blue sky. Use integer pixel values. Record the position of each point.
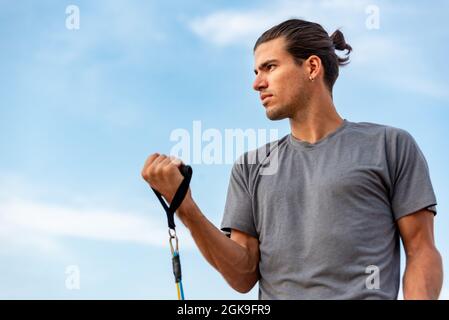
(80, 111)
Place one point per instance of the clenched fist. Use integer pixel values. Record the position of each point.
(162, 173)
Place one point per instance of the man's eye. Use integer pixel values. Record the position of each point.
(270, 66)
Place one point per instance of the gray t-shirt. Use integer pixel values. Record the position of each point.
(325, 213)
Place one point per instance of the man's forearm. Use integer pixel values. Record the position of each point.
(231, 259)
(423, 276)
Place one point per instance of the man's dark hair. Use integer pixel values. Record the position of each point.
(304, 38)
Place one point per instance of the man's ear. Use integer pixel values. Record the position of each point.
(313, 66)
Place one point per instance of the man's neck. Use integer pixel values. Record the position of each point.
(313, 123)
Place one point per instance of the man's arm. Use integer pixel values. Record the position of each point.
(236, 258)
(423, 274)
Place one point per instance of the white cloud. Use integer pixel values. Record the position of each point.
(28, 225)
(423, 85)
(232, 27)
(391, 61)
(375, 48)
(373, 51)
(43, 230)
(228, 27)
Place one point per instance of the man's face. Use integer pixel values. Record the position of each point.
(281, 82)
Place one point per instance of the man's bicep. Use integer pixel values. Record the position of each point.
(416, 230)
(247, 241)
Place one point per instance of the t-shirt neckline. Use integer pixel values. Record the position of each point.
(304, 145)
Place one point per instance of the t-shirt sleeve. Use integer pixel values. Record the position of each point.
(411, 185)
(238, 212)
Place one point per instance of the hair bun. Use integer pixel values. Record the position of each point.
(339, 41)
(340, 44)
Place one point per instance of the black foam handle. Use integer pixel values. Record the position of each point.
(187, 172)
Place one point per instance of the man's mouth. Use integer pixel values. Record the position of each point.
(265, 96)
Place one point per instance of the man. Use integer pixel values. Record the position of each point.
(327, 223)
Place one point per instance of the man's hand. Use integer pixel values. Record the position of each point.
(237, 259)
(162, 173)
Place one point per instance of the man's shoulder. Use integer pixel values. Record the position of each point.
(376, 128)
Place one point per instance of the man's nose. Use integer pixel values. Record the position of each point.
(260, 83)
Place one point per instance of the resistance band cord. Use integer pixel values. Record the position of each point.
(187, 172)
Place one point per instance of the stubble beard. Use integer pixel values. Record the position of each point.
(277, 112)
(293, 105)
(283, 111)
